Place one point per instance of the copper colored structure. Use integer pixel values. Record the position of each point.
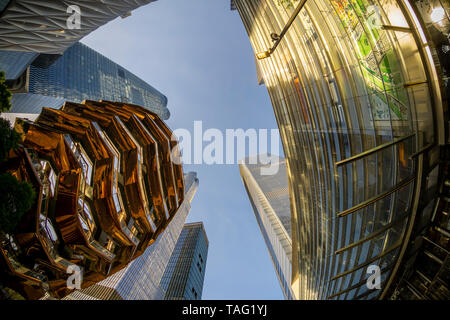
(108, 179)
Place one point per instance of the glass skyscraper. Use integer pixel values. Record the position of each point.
(140, 280)
(269, 197)
(81, 73)
(358, 92)
(184, 275)
(50, 27)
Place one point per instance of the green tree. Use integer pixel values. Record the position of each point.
(9, 138)
(16, 198)
(5, 94)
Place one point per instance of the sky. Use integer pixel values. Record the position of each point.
(198, 54)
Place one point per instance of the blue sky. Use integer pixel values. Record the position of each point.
(198, 54)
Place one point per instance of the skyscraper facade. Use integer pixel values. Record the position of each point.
(359, 97)
(185, 272)
(50, 27)
(269, 197)
(81, 73)
(140, 280)
(108, 182)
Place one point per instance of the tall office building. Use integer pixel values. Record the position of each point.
(107, 185)
(185, 273)
(50, 27)
(358, 91)
(81, 73)
(140, 280)
(269, 197)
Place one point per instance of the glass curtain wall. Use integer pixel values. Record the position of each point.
(269, 197)
(355, 96)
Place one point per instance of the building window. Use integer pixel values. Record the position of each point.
(121, 73)
(195, 293)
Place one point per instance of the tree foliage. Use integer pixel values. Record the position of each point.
(9, 138)
(16, 198)
(5, 94)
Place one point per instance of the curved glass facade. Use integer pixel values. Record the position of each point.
(357, 99)
(83, 73)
